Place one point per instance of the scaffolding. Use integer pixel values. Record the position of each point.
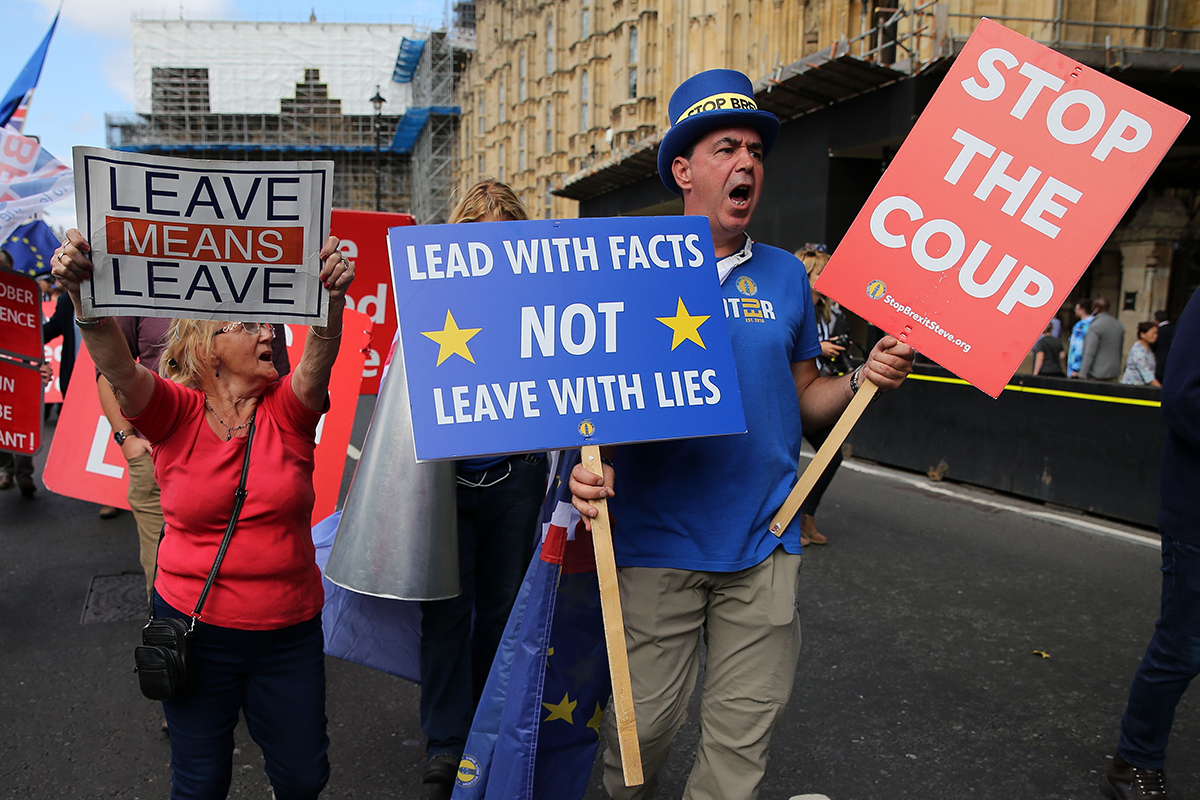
(200, 94)
(433, 153)
(309, 127)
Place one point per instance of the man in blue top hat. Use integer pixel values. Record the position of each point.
(692, 541)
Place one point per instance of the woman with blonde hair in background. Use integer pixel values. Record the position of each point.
(498, 504)
(833, 331)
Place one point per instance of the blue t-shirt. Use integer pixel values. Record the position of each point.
(706, 504)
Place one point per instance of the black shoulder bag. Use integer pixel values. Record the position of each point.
(163, 661)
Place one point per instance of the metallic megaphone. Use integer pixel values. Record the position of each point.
(398, 536)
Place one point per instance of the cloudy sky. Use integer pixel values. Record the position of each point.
(89, 72)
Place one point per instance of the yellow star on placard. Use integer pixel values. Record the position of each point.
(561, 710)
(452, 340)
(684, 326)
(594, 722)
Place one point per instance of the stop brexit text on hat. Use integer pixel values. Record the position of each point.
(1004, 191)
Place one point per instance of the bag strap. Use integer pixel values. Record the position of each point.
(239, 497)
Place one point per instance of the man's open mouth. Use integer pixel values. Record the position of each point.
(265, 357)
(740, 196)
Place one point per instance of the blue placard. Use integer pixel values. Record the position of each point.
(538, 335)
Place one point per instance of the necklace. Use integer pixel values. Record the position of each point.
(229, 429)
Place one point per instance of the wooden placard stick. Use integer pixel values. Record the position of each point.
(808, 479)
(614, 629)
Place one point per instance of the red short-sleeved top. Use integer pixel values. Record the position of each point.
(269, 578)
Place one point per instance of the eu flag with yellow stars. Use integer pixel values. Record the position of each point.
(31, 247)
(537, 728)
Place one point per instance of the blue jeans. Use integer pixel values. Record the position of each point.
(276, 679)
(497, 528)
(1170, 663)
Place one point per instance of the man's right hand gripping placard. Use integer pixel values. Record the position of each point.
(1003, 193)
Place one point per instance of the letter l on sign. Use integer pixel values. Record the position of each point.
(95, 459)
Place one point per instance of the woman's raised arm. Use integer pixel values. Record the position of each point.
(310, 382)
(131, 382)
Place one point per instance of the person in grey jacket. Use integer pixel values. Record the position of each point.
(1103, 346)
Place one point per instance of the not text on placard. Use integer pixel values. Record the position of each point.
(536, 335)
(175, 237)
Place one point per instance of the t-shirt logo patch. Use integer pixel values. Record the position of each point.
(747, 286)
(468, 771)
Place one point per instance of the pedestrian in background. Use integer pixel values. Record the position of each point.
(1048, 355)
(1172, 659)
(1103, 346)
(833, 330)
(499, 500)
(1140, 363)
(220, 404)
(1083, 313)
(1162, 347)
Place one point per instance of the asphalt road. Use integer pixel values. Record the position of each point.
(918, 676)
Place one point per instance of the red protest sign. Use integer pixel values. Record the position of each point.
(20, 407)
(364, 241)
(1020, 167)
(20, 316)
(85, 463)
(52, 354)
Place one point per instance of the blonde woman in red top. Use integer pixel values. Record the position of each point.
(258, 649)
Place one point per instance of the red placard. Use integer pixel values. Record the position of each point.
(20, 316)
(20, 407)
(1020, 167)
(52, 353)
(85, 463)
(364, 241)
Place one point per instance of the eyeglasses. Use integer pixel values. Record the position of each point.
(251, 328)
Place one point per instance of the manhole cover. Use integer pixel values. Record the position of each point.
(115, 598)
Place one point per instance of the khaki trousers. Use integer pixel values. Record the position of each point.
(752, 631)
(147, 512)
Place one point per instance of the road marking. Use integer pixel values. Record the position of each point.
(1048, 516)
(1013, 387)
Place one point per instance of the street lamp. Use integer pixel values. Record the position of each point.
(377, 128)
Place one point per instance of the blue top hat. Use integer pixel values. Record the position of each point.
(716, 98)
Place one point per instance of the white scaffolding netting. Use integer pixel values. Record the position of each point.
(253, 65)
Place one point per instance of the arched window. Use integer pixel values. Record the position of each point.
(521, 149)
(549, 127)
(633, 45)
(500, 166)
(585, 20)
(549, 45)
(500, 114)
(482, 115)
(584, 115)
(521, 81)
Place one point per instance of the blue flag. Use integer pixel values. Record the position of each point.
(31, 247)
(537, 728)
(16, 102)
(376, 632)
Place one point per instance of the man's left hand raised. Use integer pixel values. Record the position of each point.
(889, 364)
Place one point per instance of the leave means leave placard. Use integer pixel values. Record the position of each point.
(175, 237)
